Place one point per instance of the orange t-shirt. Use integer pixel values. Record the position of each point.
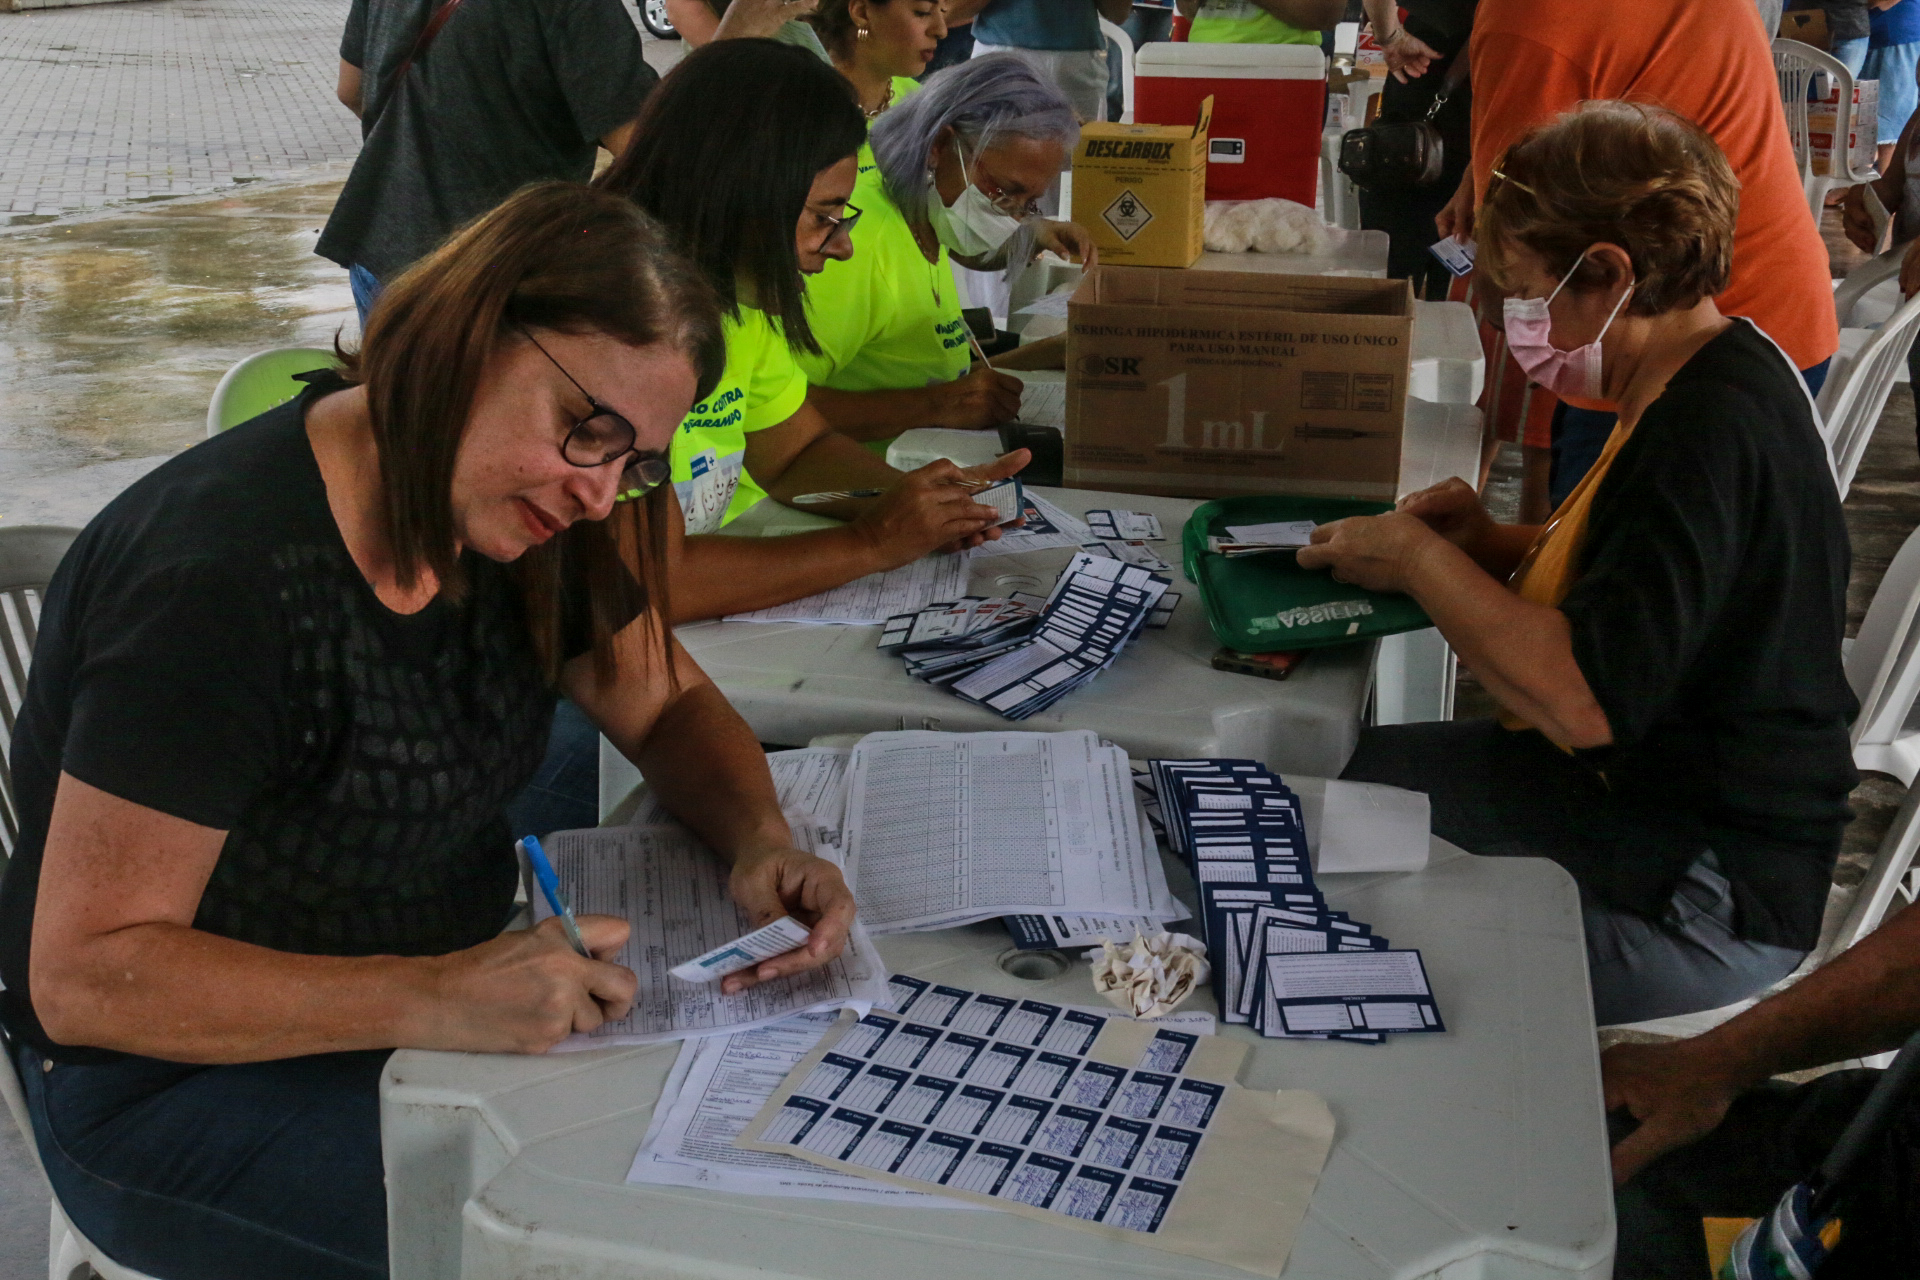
(1708, 60)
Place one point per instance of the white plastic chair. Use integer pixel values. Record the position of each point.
(1117, 36)
(1857, 386)
(28, 557)
(1800, 68)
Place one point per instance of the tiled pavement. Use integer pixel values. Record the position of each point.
(160, 98)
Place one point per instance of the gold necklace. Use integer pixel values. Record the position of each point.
(886, 100)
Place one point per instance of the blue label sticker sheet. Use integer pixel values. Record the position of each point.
(1000, 1097)
(1283, 962)
(1135, 1131)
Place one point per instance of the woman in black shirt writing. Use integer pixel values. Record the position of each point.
(1666, 651)
(284, 686)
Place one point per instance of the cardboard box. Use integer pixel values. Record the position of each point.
(1862, 136)
(1808, 26)
(1207, 384)
(1141, 190)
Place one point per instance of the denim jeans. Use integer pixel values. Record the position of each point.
(1580, 434)
(219, 1173)
(366, 291)
(1495, 794)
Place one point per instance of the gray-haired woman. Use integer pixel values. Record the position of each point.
(958, 168)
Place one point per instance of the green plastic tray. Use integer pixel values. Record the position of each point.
(1264, 604)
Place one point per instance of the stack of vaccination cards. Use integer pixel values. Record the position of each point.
(1262, 539)
(1283, 963)
(1095, 610)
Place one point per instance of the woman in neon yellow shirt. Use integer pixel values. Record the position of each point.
(880, 46)
(1261, 21)
(746, 152)
(958, 166)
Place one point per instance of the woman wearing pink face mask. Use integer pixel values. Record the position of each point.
(1666, 651)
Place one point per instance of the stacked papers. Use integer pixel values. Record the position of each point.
(1097, 607)
(968, 623)
(1047, 528)
(944, 829)
(1007, 498)
(1261, 539)
(674, 894)
(1134, 551)
(1124, 525)
(876, 597)
(1283, 963)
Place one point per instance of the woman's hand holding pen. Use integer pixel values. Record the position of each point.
(526, 990)
(982, 398)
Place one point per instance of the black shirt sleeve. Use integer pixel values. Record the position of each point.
(1664, 547)
(176, 696)
(596, 58)
(353, 41)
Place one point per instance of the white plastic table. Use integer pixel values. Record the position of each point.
(794, 682)
(1472, 1155)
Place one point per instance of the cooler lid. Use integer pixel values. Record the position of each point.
(1231, 61)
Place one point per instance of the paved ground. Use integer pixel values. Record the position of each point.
(110, 103)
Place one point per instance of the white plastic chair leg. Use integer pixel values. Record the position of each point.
(66, 1256)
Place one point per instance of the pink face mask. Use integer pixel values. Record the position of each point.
(1571, 375)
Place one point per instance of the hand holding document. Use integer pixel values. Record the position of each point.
(675, 895)
(775, 939)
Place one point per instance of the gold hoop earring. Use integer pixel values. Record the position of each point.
(861, 33)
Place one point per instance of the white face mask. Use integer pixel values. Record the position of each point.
(972, 226)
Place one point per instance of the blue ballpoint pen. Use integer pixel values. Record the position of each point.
(550, 885)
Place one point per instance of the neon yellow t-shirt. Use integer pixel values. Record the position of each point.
(1244, 22)
(886, 319)
(902, 86)
(760, 387)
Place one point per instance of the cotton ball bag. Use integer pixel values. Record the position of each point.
(1264, 226)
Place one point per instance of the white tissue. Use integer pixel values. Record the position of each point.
(1264, 226)
(1149, 977)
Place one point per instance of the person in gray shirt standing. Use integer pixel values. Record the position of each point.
(461, 103)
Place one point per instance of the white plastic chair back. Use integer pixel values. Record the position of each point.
(1864, 279)
(28, 556)
(1122, 43)
(1883, 666)
(1803, 69)
(1853, 396)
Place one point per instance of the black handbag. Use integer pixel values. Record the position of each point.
(1387, 157)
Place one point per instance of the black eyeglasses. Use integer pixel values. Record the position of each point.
(839, 227)
(604, 436)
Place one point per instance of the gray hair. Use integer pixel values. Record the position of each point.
(981, 99)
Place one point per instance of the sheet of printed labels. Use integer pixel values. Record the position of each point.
(1136, 1132)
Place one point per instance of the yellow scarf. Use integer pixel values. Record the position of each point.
(1548, 571)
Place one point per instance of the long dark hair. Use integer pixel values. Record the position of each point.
(555, 255)
(724, 153)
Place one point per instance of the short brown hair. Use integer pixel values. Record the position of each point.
(559, 256)
(1623, 173)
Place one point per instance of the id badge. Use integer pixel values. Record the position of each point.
(708, 490)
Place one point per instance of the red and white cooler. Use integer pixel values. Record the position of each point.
(1269, 109)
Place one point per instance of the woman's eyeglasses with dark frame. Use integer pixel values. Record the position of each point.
(604, 436)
